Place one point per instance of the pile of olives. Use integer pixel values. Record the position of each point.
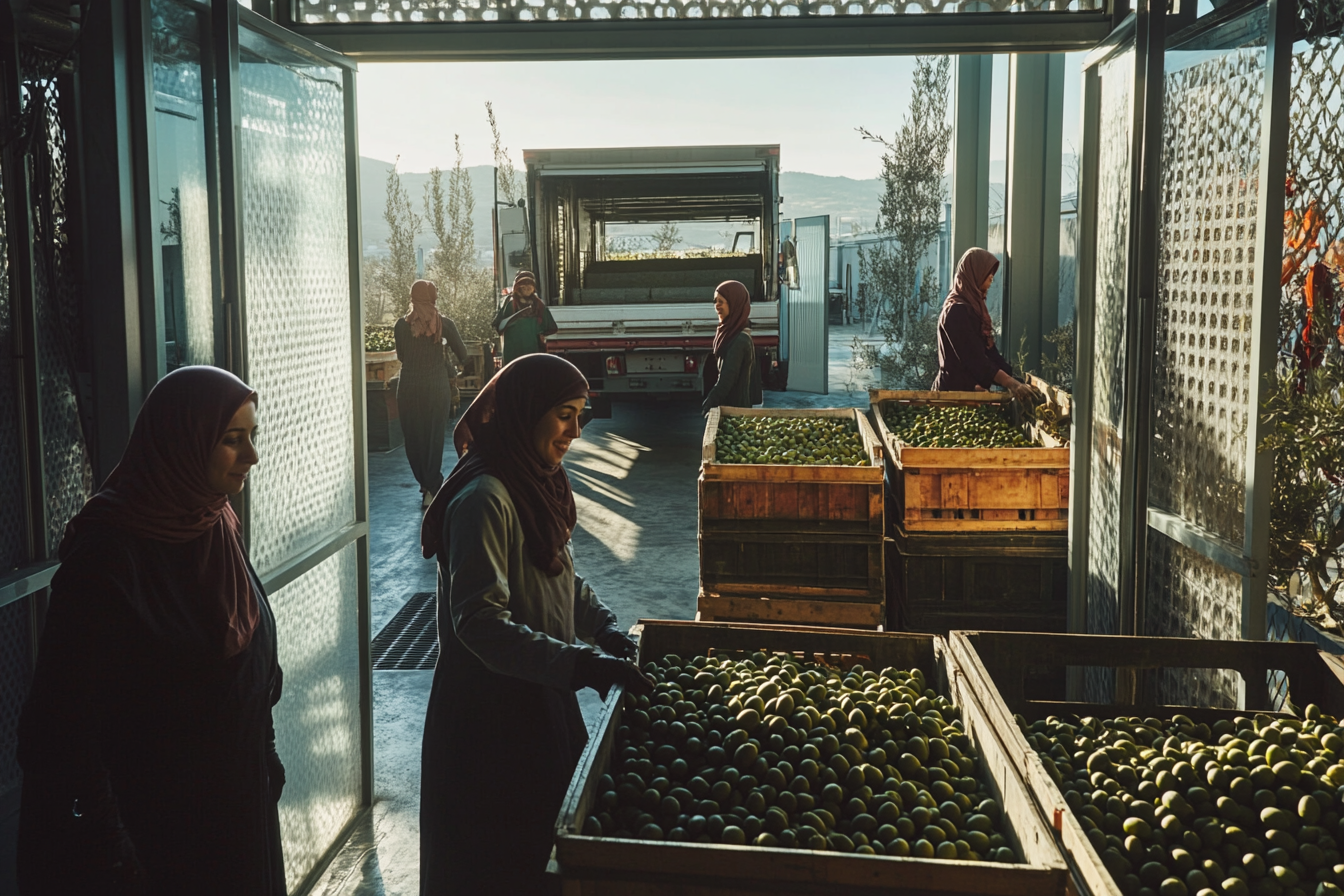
(378, 338)
(921, 426)
(772, 751)
(790, 440)
(1245, 807)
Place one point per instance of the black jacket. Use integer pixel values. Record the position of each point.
(736, 372)
(964, 361)
(142, 746)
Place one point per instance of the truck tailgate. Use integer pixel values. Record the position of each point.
(688, 319)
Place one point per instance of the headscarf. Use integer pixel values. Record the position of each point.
(739, 314)
(424, 314)
(530, 306)
(975, 265)
(494, 437)
(159, 491)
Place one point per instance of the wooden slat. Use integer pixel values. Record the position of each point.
(795, 611)
(600, 865)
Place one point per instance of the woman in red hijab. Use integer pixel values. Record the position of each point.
(503, 732)
(730, 371)
(968, 360)
(147, 744)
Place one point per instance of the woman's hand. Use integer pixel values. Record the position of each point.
(1023, 392)
(593, 670)
(617, 643)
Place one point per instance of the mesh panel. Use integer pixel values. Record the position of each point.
(1316, 156)
(1190, 596)
(16, 668)
(316, 12)
(1321, 18)
(317, 723)
(12, 512)
(65, 456)
(296, 246)
(182, 214)
(1202, 370)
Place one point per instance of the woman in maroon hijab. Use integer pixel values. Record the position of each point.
(147, 744)
(503, 732)
(968, 360)
(730, 371)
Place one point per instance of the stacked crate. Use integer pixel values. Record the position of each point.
(788, 543)
(978, 535)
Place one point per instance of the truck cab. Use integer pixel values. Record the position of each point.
(638, 319)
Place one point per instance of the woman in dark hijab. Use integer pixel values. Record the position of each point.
(503, 731)
(524, 320)
(730, 371)
(424, 390)
(147, 745)
(968, 360)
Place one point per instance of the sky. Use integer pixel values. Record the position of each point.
(810, 107)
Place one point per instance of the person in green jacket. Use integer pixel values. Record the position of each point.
(524, 321)
(732, 361)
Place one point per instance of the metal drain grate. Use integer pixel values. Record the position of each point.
(411, 639)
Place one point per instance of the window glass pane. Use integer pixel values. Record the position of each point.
(317, 729)
(182, 220)
(998, 184)
(296, 296)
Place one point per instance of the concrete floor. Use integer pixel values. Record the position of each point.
(634, 481)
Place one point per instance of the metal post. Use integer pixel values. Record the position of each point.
(1264, 338)
(105, 194)
(224, 46)
(1080, 456)
(361, 437)
(1142, 296)
(1035, 147)
(23, 293)
(970, 171)
(144, 164)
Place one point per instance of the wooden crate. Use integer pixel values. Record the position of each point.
(1002, 581)
(792, 544)
(972, 489)
(379, 367)
(1000, 668)
(481, 353)
(598, 866)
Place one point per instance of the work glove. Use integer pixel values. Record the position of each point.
(275, 773)
(599, 672)
(617, 643)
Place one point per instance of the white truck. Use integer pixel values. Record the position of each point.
(640, 324)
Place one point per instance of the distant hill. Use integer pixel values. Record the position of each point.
(851, 203)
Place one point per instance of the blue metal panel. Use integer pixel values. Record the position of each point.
(808, 320)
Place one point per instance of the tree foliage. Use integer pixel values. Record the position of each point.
(1304, 418)
(508, 179)
(466, 289)
(387, 281)
(902, 292)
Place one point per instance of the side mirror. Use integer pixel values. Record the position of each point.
(790, 252)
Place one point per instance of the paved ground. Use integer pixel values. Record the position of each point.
(634, 482)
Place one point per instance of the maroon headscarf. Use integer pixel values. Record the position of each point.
(739, 314)
(975, 265)
(424, 314)
(531, 305)
(494, 437)
(159, 489)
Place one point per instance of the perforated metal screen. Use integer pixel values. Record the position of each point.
(1202, 371)
(523, 11)
(297, 275)
(297, 317)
